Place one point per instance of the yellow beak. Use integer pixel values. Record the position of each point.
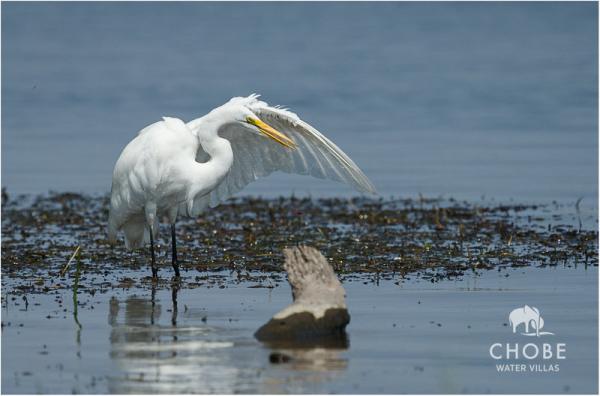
(272, 132)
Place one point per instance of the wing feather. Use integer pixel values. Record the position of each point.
(328, 160)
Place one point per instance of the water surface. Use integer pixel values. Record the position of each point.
(410, 337)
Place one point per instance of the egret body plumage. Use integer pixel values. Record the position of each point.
(175, 168)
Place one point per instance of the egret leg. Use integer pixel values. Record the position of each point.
(154, 269)
(174, 291)
(174, 252)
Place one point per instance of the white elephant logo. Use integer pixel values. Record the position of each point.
(530, 317)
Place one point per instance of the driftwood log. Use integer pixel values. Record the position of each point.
(318, 315)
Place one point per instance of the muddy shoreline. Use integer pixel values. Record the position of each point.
(242, 241)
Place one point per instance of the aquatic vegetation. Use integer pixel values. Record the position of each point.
(243, 240)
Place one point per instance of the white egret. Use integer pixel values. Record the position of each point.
(172, 168)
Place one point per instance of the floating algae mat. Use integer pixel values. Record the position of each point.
(243, 240)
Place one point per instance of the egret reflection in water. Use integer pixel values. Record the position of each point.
(162, 346)
(158, 357)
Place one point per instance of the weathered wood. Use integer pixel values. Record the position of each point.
(318, 314)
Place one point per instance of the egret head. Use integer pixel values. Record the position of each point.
(243, 115)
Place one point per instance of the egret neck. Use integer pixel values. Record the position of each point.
(211, 172)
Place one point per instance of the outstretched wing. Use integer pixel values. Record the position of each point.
(256, 156)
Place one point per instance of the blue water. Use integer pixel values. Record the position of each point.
(416, 337)
(464, 100)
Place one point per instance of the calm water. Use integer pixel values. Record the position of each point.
(415, 338)
(463, 100)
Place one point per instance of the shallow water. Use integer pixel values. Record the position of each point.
(463, 100)
(414, 337)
